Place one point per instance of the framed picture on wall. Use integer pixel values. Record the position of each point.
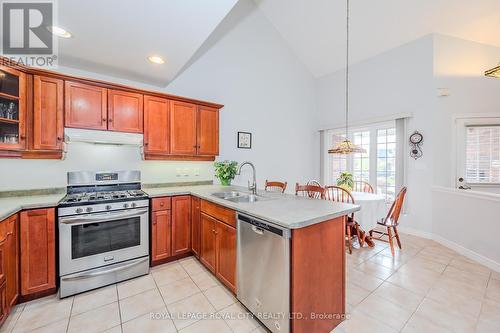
(245, 140)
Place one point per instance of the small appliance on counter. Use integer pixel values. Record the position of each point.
(103, 230)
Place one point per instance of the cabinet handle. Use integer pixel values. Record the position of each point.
(161, 204)
(59, 138)
(103, 120)
(195, 146)
(110, 120)
(22, 137)
(145, 143)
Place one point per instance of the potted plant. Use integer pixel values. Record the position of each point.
(346, 181)
(225, 171)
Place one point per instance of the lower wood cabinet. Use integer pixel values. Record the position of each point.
(195, 226)
(9, 265)
(38, 251)
(218, 242)
(181, 224)
(160, 235)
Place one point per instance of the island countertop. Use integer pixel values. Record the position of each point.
(286, 210)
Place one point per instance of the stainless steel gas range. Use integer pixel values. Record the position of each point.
(103, 230)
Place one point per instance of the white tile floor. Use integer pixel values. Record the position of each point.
(425, 288)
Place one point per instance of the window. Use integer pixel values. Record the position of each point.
(482, 154)
(376, 166)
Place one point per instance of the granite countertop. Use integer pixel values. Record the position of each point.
(289, 211)
(12, 205)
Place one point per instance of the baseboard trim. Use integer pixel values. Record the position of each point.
(491, 264)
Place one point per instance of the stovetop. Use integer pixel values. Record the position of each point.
(89, 198)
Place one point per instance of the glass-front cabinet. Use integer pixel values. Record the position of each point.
(12, 109)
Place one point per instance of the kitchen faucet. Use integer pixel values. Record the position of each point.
(253, 186)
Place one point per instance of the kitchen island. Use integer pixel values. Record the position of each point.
(317, 255)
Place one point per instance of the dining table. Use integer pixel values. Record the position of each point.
(373, 209)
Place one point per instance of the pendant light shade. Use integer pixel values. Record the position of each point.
(494, 72)
(346, 147)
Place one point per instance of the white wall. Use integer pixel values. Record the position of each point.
(265, 90)
(395, 82)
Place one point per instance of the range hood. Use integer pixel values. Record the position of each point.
(102, 137)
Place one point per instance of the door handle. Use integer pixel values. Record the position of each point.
(257, 230)
(105, 271)
(102, 217)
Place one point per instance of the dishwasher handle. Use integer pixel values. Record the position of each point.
(260, 227)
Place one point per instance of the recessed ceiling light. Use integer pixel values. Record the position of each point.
(156, 59)
(60, 32)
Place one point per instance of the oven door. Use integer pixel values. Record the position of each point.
(100, 239)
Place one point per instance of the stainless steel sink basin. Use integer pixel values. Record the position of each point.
(245, 198)
(229, 194)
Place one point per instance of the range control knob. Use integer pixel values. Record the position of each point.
(108, 207)
(125, 205)
(79, 210)
(133, 204)
(89, 209)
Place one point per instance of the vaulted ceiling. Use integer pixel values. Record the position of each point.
(315, 29)
(115, 37)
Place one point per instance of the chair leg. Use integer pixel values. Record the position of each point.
(391, 243)
(349, 239)
(371, 233)
(361, 239)
(397, 237)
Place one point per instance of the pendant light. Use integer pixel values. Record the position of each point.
(346, 146)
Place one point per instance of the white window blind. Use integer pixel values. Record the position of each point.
(482, 156)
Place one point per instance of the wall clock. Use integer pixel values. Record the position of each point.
(416, 141)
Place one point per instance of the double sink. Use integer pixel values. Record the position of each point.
(238, 197)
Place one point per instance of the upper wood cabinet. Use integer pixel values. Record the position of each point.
(38, 251)
(48, 113)
(181, 224)
(85, 106)
(208, 131)
(183, 118)
(125, 111)
(156, 125)
(12, 109)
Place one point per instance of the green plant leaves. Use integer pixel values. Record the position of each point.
(225, 171)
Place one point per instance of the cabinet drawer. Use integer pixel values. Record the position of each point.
(161, 203)
(223, 214)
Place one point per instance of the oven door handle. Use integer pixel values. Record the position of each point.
(105, 271)
(107, 217)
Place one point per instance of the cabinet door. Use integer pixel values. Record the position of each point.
(12, 261)
(3, 303)
(156, 125)
(125, 111)
(85, 106)
(226, 254)
(38, 251)
(181, 224)
(182, 128)
(208, 131)
(207, 246)
(160, 235)
(12, 109)
(48, 122)
(195, 226)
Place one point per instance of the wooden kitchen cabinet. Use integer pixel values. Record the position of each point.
(125, 111)
(195, 226)
(9, 265)
(225, 249)
(38, 251)
(160, 235)
(208, 131)
(183, 118)
(207, 245)
(85, 106)
(156, 125)
(181, 224)
(13, 103)
(4, 310)
(48, 113)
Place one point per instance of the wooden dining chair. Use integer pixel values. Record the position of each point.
(311, 191)
(391, 222)
(362, 186)
(275, 186)
(340, 194)
(314, 183)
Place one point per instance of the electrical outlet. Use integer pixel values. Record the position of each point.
(196, 172)
(178, 172)
(185, 172)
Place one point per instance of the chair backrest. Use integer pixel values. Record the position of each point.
(275, 186)
(362, 186)
(311, 191)
(395, 210)
(314, 183)
(337, 193)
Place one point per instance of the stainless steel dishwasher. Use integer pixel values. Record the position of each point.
(263, 268)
